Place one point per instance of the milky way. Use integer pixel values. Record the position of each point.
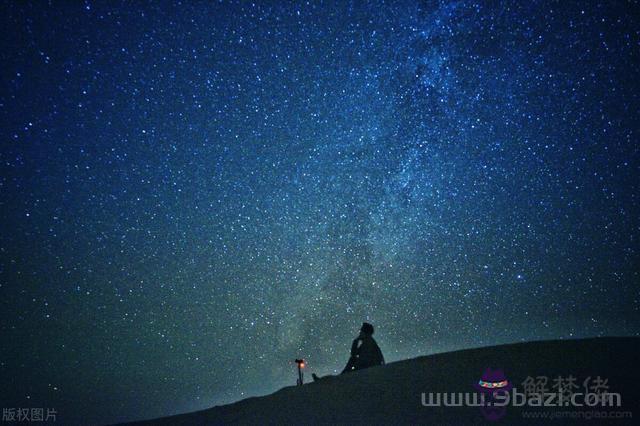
(194, 194)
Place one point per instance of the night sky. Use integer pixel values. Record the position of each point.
(193, 194)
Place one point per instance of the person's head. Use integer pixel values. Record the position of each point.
(366, 329)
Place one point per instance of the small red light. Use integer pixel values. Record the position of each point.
(302, 365)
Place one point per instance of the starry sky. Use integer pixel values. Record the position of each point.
(195, 193)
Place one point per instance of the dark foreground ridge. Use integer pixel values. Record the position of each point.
(392, 394)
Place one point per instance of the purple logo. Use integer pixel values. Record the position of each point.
(494, 387)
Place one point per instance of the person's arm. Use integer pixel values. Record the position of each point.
(354, 346)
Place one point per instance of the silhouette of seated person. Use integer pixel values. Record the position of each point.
(365, 352)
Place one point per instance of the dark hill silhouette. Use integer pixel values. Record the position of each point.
(391, 394)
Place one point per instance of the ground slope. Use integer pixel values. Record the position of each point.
(391, 394)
